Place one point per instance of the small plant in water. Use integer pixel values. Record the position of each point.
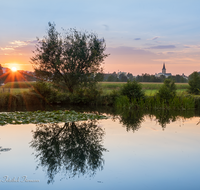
(46, 117)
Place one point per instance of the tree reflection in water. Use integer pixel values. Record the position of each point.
(165, 117)
(131, 119)
(75, 148)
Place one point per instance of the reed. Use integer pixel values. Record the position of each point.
(156, 103)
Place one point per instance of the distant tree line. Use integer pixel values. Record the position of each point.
(114, 77)
(152, 78)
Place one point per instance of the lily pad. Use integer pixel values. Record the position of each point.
(46, 117)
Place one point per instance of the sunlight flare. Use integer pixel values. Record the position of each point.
(14, 69)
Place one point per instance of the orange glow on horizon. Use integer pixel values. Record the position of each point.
(13, 66)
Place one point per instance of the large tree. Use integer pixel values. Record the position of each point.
(72, 58)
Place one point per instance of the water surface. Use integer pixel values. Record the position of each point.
(129, 151)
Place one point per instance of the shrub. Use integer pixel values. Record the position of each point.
(46, 91)
(109, 99)
(194, 83)
(167, 91)
(133, 90)
(86, 95)
(122, 102)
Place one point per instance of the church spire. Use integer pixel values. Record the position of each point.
(164, 66)
(164, 69)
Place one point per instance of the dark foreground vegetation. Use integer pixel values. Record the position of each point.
(129, 95)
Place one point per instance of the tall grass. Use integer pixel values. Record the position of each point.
(8, 100)
(156, 103)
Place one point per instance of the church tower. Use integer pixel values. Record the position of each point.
(163, 69)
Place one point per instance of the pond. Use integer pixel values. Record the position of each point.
(126, 151)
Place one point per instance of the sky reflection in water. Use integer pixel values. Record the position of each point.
(132, 151)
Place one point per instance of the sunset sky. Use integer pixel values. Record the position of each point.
(140, 34)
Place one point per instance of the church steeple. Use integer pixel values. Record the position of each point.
(164, 69)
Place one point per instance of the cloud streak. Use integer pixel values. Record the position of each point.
(126, 50)
(137, 39)
(163, 47)
(18, 43)
(155, 38)
(18, 47)
(7, 49)
(192, 46)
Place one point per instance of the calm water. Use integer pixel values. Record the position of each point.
(126, 152)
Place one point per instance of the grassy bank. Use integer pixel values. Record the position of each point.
(18, 85)
(108, 94)
(13, 90)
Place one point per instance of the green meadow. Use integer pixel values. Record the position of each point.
(13, 90)
(107, 87)
(149, 88)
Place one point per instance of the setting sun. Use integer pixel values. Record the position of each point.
(14, 69)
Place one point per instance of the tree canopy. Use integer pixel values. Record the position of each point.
(194, 82)
(72, 58)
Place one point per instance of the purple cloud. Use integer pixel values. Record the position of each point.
(155, 38)
(163, 47)
(137, 39)
(125, 50)
(170, 53)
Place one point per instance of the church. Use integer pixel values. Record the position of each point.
(163, 72)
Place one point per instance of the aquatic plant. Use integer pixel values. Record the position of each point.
(46, 117)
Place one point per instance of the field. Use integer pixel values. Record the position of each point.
(18, 85)
(13, 90)
(149, 88)
(107, 87)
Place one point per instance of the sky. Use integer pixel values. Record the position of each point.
(140, 35)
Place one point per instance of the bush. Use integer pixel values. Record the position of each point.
(86, 95)
(167, 91)
(194, 82)
(122, 102)
(46, 91)
(133, 90)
